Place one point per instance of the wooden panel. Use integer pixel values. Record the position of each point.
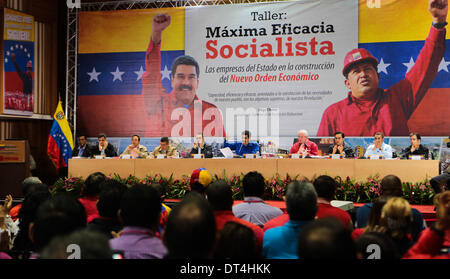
(315, 167)
(406, 170)
(84, 167)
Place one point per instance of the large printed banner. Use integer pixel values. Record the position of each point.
(271, 68)
(18, 56)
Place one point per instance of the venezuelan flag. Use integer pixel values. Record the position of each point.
(111, 56)
(60, 139)
(394, 33)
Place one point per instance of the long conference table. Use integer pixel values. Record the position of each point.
(358, 169)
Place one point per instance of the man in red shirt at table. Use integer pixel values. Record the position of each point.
(369, 109)
(304, 146)
(164, 111)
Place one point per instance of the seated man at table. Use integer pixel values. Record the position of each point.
(83, 149)
(254, 209)
(164, 148)
(135, 149)
(415, 148)
(391, 186)
(339, 146)
(379, 147)
(104, 148)
(200, 147)
(244, 147)
(304, 146)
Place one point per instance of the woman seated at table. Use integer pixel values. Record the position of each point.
(415, 148)
(200, 147)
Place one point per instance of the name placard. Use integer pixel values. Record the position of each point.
(249, 156)
(375, 157)
(160, 156)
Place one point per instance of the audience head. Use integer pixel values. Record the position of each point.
(442, 202)
(92, 184)
(236, 241)
(29, 184)
(191, 229)
(110, 197)
(161, 190)
(326, 238)
(141, 207)
(301, 201)
(375, 213)
(396, 216)
(375, 245)
(391, 185)
(91, 244)
(325, 187)
(220, 196)
(200, 180)
(253, 184)
(60, 215)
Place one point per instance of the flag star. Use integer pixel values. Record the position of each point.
(7, 53)
(11, 48)
(443, 66)
(6, 60)
(409, 65)
(25, 50)
(21, 46)
(93, 75)
(140, 73)
(382, 67)
(117, 74)
(17, 46)
(165, 73)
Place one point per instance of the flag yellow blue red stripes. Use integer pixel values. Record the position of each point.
(60, 139)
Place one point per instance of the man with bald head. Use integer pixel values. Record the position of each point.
(303, 145)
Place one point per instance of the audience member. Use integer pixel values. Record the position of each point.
(165, 210)
(220, 197)
(416, 148)
(8, 229)
(377, 246)
(108, 206)
(434, 241)
(326, 238)
(391, 185)
(164, 148)
(253, 209)
(200, 147)
(200, 179)
(90, 245)
(326, 189)
(236, 242)
(441, 182)
(301, 204)
(135, 149)
(29, 184)
(379, 148)
(83, 149)
(191, 229)
(23, 246)
(104, 148)
(396, 217)
(60, 215)
(374, 220)
(304, 146)
(244, 147)
(139, 211)
(90, 194)
(339, 146)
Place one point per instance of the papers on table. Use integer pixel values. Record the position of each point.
(227, 152)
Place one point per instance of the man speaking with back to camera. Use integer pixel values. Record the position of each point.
(369, 109)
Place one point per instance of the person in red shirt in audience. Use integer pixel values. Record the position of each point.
(434, 241)
(91, 191)
(304, 146)
(220, 196)
(326, 189)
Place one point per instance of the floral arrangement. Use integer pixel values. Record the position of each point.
(348, 189)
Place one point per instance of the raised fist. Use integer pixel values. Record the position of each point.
(160, 22)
